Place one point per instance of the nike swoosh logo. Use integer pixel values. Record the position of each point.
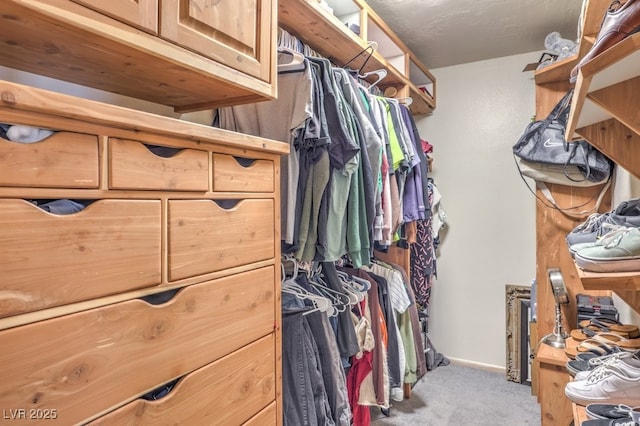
(549, 144)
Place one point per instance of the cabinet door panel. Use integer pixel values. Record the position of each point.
(236, 33)
(140, 13)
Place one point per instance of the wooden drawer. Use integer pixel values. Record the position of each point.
(266, 417)
(63, 160)
(205, 237)
(226, 392)
(133, 166)
(91, 362)
(242, 174)
(47, 260)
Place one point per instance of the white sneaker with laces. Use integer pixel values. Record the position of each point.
(615, 382)
(604, 360)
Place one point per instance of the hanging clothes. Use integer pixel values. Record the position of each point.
(284, 119)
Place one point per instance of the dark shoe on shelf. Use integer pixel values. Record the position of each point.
(621, 20)
(608, 411)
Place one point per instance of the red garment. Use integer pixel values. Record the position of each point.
(360, 367)
(426, 146)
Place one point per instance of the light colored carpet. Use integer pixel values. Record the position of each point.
(456, 395)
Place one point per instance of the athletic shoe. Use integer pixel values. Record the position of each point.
(616, 382)
(627, 213)
(609, 422)
(608, 411)
(581, 368)
(619, 251)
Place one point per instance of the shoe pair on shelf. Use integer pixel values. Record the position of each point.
(621, 20)
(612, 415)
(615, 381)
(608, 242)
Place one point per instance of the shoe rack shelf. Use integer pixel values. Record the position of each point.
(330, 37)
(602, 83)
(579, 414)
(605, 104)
(625, 284)
(609, 281)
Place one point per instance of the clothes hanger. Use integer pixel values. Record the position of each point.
(372, 47)
(355, 287)
(295, 63)
(336, 298)
(289, 267)
(381, 73)
(320, 303)
(406, 101)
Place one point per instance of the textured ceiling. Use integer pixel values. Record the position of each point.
(451, 32)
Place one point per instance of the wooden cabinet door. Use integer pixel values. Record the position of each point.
(236, 33)
(140, 13)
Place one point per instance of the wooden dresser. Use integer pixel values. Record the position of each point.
(171, 271)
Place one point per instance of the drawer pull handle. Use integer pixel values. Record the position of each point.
(163, 151)
(227, 204)
(160, 298)
(244, 162)
(161, 391)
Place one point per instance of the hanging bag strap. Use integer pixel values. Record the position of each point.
(570, 212)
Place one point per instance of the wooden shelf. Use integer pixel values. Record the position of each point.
(67, 41)
(579, 414)
(550, 355)
(609, 281)
(606, 87)
(555, 72)
(625, 284)
(326, 34)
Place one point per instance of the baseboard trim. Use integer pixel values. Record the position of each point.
(478, 365)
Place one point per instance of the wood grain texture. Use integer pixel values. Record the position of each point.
(236, 33)
(48, 260)
(230, 175)
(616, 141)
(621, 101)
(326, 34)
(63, 160)
(49, 107)
(228, 391)
(204, 237)
(554, 405)
(93, 361)
(552, 226)
(133, 166)
(89, 48)
(266, 417)
(140, 13)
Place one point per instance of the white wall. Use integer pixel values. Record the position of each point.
(482, 109)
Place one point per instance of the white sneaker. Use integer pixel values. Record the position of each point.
(615, 382)
(605, 360)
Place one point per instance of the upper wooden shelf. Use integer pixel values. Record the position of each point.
(331, 38)
(604, 109)
(603, 89)
(624, 284)
(65, 40)
(556, 72)
(609, 281)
